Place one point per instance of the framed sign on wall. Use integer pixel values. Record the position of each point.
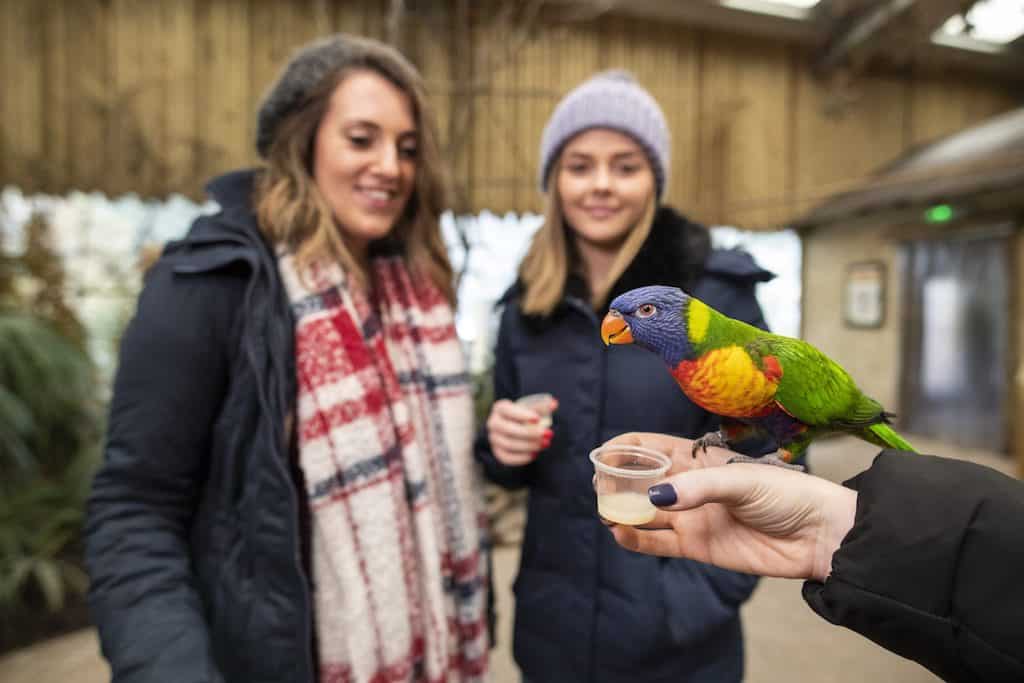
(864, 294)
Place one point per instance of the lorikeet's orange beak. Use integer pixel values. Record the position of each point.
(615, 330)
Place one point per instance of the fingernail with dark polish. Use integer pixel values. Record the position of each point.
(662, 495)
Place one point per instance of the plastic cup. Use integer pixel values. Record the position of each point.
(540, 404)
(622, 476)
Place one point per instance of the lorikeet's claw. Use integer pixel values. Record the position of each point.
(770, 459)
(709, 440)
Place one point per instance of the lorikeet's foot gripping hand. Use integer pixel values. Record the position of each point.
(710, 440)
(778, 459)
(717, 439)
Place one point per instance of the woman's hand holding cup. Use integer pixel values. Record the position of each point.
(519, 430)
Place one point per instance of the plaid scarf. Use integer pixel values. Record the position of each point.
(385, 429)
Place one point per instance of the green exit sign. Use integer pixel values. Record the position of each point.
(940, 213)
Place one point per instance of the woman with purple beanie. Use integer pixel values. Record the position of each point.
(588, 610)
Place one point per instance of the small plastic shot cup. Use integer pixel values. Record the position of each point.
(540, 404)
(622, 476)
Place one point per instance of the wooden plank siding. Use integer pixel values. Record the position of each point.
(155, 96)
(940, 107)
(224, 86)
(55, 103)
(744, 136)
(180, 154)
(21, 55)
(87, 90)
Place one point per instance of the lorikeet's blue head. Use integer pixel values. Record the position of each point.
(653, 318)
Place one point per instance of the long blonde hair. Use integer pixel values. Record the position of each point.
(552, 256)
(292, 211)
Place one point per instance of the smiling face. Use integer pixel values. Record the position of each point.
(364, 157)
(605, 183)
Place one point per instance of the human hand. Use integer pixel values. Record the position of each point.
(746, 517)
(515, 432)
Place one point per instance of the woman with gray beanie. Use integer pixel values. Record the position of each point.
(288, 487)
(588, 610)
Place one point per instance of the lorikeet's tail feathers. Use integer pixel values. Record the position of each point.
(865, 413)
(887, 437)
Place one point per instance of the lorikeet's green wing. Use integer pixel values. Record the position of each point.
(820, 393)
(815, 389)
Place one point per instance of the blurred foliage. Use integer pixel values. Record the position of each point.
(50, 429)
(47, 415)
(34, 281)
(40, 527)
(483, 394)
(506, 510)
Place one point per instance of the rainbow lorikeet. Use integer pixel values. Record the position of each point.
(760, 383)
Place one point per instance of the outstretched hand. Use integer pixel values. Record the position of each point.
(743, 516)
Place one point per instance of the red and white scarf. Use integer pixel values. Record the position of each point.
(385, 425)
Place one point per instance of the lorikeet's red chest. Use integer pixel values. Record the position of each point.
(727, 382)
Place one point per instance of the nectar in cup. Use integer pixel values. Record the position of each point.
(626, 507)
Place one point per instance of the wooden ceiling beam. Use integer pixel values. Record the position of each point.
(700, 13)
(859, 32)
(835, 27)
(897, 31)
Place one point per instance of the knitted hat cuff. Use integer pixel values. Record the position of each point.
(614, 100)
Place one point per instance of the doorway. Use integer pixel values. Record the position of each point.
(956, 330)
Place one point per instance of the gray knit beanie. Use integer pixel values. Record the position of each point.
(307, 69)
(611, 99)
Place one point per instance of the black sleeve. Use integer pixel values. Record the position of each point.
(506, 385)
(168, 390)
(932, 568)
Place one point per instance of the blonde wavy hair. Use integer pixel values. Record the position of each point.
(292, 211)
(552, 256)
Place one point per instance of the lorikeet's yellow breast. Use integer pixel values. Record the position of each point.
(727, 382)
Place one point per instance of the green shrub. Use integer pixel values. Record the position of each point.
(50, 430)
(40, 527)
(48, 411)
(49, 443)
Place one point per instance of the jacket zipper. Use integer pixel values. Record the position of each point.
(305, 633)
(306, 639)
(588, 312)
(306, 636)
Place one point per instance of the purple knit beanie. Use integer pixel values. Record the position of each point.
(611, 99)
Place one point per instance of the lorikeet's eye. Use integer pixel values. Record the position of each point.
(646, 311)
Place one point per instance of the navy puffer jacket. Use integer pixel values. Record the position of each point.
(193, 535)
(586, 609)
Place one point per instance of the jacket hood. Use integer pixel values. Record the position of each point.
(232, 234)
(233, 189)
(234, 227)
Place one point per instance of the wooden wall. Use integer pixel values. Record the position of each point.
(154, 96)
